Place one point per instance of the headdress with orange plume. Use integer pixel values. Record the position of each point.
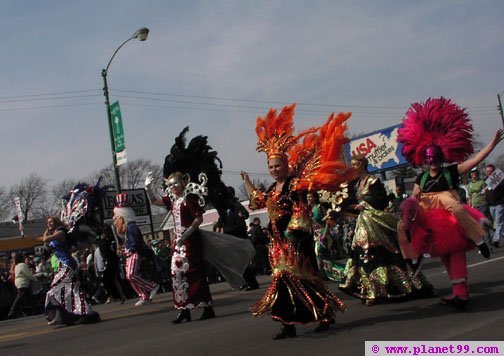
(314, 156)
(317, 158)
(274, 132)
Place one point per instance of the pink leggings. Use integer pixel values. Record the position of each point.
(456, 266)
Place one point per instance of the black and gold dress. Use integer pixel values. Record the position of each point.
(376, 269)
(296, 294)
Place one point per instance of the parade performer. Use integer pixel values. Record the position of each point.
(134, 248)
(324, 237)
(65, 301)
(376, 270)
(79, 223)
(435, 132)
(310, 161)
(185, 199)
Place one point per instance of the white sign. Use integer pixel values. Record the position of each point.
(121, 157)
(137, 200)
(19, 213)
(494, 179)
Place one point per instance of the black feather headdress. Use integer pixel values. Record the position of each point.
(198, 157)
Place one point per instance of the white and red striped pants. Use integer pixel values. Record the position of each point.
(142, 286)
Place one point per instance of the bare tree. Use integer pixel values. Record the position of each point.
(478, 145)
(32, 192)
(134, 172)
(261, 184)
(131, 174)
(52, 205)
(6, 205)
(106, 175)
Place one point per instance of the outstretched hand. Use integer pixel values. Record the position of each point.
(148, 180)
(499, 135)
(245, 176)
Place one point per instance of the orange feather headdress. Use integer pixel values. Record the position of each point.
(274, 132)
(314, 156)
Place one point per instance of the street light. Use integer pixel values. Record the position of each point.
(141, 34)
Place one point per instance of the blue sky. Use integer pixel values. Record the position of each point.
(216, 65)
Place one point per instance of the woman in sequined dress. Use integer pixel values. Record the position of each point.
(296, 295)
(65, 301)
(189, 279)
(376, 270)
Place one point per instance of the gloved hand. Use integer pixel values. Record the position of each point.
(188, 232)
(148, 181)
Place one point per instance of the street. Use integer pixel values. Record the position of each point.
(147, 330)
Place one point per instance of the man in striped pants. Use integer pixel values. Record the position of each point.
(124, 221)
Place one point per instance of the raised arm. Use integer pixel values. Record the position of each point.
(472, 162)
(154, 200)
(248, 184)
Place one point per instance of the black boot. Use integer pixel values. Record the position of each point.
(324, 325)
(456, 301)
(286, 331)
(185, 314)
(208, 313)
(484, 250)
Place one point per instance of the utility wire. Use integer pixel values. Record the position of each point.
(209, 106)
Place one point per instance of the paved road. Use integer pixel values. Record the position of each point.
(147, 330)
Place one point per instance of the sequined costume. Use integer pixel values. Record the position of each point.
(323, 246)
(189, 283)
(296, 295)
(376, 269)
(66, 294)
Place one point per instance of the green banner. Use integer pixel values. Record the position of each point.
(117, 127)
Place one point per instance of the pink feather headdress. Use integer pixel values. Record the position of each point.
(436, 122)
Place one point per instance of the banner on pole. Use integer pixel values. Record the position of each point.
(118, 133)
(19, 214)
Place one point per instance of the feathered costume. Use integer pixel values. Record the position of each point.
(375, 270)
(440, 131)
(198, 157)
(437, 122)
(296, 294)
(82, 215)
(230, 255)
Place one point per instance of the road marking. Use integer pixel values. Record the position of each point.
(482, 263)
(487, 261)
(20, 335)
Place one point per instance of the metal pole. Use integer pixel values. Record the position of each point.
(500, 108)
(141, 34)
(111, 133)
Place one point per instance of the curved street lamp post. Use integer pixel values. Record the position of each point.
(141, 34)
